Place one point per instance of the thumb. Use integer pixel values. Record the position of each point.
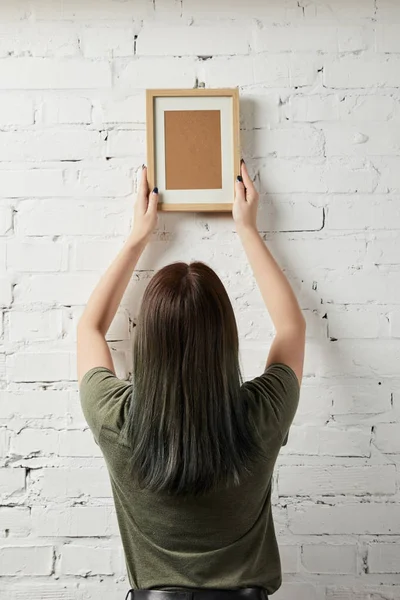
(239, 189)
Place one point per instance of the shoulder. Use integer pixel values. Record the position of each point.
(104, 399)
(274, 397)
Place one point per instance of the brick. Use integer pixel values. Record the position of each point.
(361, 286)
(365, 357)
(82, 521)
(339, 107)
(86, 560)
(5, 292)
(332, 253)
(4, 441)
(388, 181)
(328, 441)
(382, 249)
(66, 109)
(68, 289)
(321, 558)
(353, 72)
(290, 558)
(51, 145)
(16, 520)
(12, 481)
(75, 482)
(360, 396)
(357, 592)
(38, 40)
(147, 72)
(389, 11)
(93, 256)
(259, 108)
(281, 71)
(280, 12)
(361, 139)
(31, 182)
(35, 441)
(15, 109)
(31, 256)
(355, 39)
(350, 175)
(71, 218)
(340, 11)
(357, 322)
(336, 480)
(227, 71)
(35, 325)
(352, 212)
(26, 560)
(358, 518)
(288, 176)
(387, 438)
(115, 110)
(281, 213)
(108, 41)
(78, 443)
(228, 39)
(47, 73)
(285, 142)
(5, 220)
(106, 10)
(38, 591)
(2, 256)
(102, 182)
(394, 320)
(387, 38)
(289, 38)
(40, 366)
(16, 11)
(383, 558)
(126, 143)
(315, 406)
(32, 404)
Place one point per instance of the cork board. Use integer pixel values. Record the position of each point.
(192, 149)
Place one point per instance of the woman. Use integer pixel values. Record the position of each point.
(190, 449)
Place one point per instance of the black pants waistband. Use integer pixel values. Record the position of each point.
(247, 593)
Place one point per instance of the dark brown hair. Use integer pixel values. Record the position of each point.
(188, 423)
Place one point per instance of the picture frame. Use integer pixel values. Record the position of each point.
(193, 147)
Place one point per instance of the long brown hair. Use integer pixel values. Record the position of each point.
(188, 423)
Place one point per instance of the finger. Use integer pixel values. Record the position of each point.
(239, 190)
(153, 199)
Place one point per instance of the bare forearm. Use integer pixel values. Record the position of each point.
(275, 289)
(106, 297)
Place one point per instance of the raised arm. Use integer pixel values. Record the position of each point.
(289, 342)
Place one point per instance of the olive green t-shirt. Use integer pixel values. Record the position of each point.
(225, 539)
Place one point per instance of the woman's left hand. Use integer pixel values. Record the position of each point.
(145, 211)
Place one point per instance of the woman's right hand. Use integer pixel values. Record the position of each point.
(245, 205)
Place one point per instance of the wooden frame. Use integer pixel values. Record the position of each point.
(151, 95)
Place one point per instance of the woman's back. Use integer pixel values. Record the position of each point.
(190, 450)
(225, 537)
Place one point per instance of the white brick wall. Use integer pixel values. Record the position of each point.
(320, 121)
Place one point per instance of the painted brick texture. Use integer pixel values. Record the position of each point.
(320, 132)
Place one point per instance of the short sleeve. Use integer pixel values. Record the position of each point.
(276, 396)
(104, 400)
